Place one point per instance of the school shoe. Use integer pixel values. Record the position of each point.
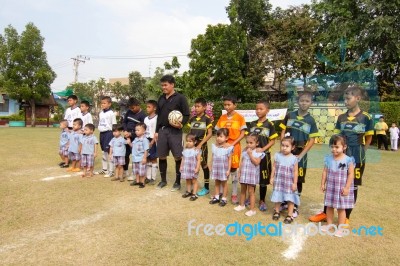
(319, 217)
(239, 208)
(146, 181)
(134, 183)
(214, 201)
(101, 172)
(61, 164)
(234, 199)
(187, 194)
(161, 184)
(152, 182)
(250, 213)
(141, 185)
(203, 192)
(109, 174)
(176, 187)
(263, 207)
(65, 166)
(222, 203)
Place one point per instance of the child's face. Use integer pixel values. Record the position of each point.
(221, 139)
(76, 126)
(286, 147)
(117, 133)
(134, 108)
(229, 106)
(71, 102)
(251, 142)
(84, 108)
(87, 131)
(393, 125)
(199, 109)
(150, 109)
(261, 110)
(105, 104)
(139, 131)
(305, 102)
(63, 125)
(189, 143)
(337, 149)
(351, 101)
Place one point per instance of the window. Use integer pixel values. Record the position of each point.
(4, 103)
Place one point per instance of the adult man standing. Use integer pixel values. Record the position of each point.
(169, 136)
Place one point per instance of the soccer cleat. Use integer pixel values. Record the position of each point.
(101, 172)
(239, 208)
(250, 213)
(319, 217)
(161, 184)
(234, 199)
(176, 187)
(263, 207)
(203, 192)
(109, 175)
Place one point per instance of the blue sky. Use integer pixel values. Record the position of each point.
(115, 28)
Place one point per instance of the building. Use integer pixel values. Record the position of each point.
(8, 106)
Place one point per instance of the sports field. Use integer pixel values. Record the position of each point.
(50, 217)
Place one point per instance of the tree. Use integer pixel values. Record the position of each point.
(137, 86)
(26, 74)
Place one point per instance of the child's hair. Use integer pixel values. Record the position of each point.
(73, 97)
(264, 102)
(152, 102)
(336, 139)
(289, 139)
(90, 126)
(117, 128)
(201, 101)
(142, 125)
(133, 102)
(85, 103)
(354, 90)
(223, 131)
(230, 98)
(64, 121)
(168, 78)
(80, 122)
(305, 93)
(254, 136)
(106, 98)
(191, 137)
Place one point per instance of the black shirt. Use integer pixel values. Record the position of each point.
(175, 102)
(199, 126)
(131, 119)
(265, 131)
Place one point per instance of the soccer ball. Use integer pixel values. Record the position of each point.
(174, 117)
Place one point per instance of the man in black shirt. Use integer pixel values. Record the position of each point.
(169, 136)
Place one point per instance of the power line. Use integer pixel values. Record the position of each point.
(137, 57)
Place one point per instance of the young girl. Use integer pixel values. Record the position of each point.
(337, 182)
(190, 166)
(221, 166)
(249, 174)
(284, 179)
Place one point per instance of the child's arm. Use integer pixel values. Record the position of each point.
(310, 143)
(283, 133)
(241, 136)
(350, 178)
(323, 179)
(368, 140)
(295, 173)
(144, 160)
(207, 137)
(80, 148)
(95, 150)
(266, 147)
(110, 153)
(229, 165)
(271, 180)
(198, 164)
(254, 160)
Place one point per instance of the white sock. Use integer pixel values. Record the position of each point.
(234, 183)
(154, 171)
(104, 160)
(148, 170)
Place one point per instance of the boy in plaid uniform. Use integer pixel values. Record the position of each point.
(73, 145)
(140, 147)
(117, 152)
(63, 148)
(201, 126)
(88, 150)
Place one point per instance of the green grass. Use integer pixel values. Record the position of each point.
(95, 221)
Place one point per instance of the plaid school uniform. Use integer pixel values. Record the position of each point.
(220, 162)
(139, 169)
(190, 163)
(250, 173)
(139, 146)
(335, 181)
(87, 160)
(119, 160)
(283, 180)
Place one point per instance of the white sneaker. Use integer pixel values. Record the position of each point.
(250, 213)
(130, 178)
(239, 208)
(109, 174)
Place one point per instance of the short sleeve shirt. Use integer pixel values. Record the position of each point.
(354, 128)
(199, 126)
(235, 124)
(139, 146)
(74, 140)
(265, 131)
(118, 146)
(88, 144)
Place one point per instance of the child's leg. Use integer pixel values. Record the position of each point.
(235, 181)
(195, 186)
(217, 187)
(148, 169)
(263, 193)
(243, 188)
(290, 208)
(225, 191)
(154, 169)
(188, 185)
(141, 179)
(341, 216)
(252, 196)
(277, 206)
(329, 215)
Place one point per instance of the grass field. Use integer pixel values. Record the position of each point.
(48, 218)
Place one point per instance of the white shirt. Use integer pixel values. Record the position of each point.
(394, 132)
(71, 114)
(151, 124)
(86, 118)
(106, 120)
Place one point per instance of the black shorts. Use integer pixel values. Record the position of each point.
(105, 138)
(169, 139)
(152, 151)
(265, 170)
(204, 155)
(358, 153)
(301, 178)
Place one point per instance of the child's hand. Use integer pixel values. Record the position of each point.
(249, 151)
(127, 134)
(144, 161)
(95, 155)
(323, 188)
(228, 173)
(196, 170)
(345, 191)
(271, 181)
(198, 147)
(259, 150)
(226, 145)
(110, 156)
(294, 187)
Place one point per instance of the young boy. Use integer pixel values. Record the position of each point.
(266, 137)
(140, 146)
(106, 121)
(302, 127)
(63, 150)
(85, 115)
(151, 123)
(118, 151)
(88, 150)
(133, 116)
(75, 138)
(72, 111)
(237, 126)
(394, 136)
(357, 126)
(201, 127)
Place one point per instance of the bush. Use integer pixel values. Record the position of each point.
(17, 117)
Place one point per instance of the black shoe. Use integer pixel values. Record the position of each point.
(134, 183)
(141, 185)
(176, 187)
(161, 184)
(222, 203)
(193, 198)
(146, 181)
(187, 194)
(65, 166)
(61, 164)
(214, 201)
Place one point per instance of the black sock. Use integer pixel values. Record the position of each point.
(263, 192)
(178, 173)
(162, 165)
(348, 211)
(325, 209)
(206, 178)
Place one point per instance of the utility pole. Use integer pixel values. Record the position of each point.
(77, 60)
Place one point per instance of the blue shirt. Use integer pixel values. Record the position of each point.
(64, 136)
(74, 140)
(118, 146)
(139, 146)
(88, 144)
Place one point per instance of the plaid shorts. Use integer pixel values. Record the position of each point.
(63, 151)
(74, 156)
(139, 169)
(87, 160)
(118, 160)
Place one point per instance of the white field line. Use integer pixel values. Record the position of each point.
(296, 243)
(50, 178)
